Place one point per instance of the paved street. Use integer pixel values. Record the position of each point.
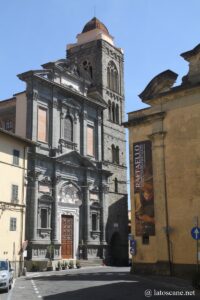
(95, 283)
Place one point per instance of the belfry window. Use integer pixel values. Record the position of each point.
(112, 77)
(116, 185)
(113, 112)
(109, 111)
(115, 154)
(117, 114)
(68, 129)
(88, 68)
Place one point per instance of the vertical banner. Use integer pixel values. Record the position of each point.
(143, 189)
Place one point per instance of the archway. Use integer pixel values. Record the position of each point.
(116, 253)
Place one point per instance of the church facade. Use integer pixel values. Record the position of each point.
(76, 179)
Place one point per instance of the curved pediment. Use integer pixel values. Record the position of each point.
(161, 83)
(46, 198)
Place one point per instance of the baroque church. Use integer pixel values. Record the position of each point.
(76, 178)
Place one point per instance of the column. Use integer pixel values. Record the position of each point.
(76, 128)
(84, 134)
(99, 141)
(87, 214)
(104, 190)
(56, 180)
(34, 199)
(55, 122)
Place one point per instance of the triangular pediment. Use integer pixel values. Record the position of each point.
(74, 158)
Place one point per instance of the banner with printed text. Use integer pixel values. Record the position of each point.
(143, 189)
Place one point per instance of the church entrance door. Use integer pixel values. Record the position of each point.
(67, 234)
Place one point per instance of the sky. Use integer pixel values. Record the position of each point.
(152, 33)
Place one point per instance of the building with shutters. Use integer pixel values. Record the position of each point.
(13, 170)
(164, 141)
(74, 108)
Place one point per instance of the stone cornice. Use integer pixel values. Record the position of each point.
(142, 119)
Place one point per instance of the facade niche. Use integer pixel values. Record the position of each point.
(68, 129)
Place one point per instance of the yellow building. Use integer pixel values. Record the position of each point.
(13, 174)
(164, 142)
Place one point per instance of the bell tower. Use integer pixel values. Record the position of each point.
(101, 62)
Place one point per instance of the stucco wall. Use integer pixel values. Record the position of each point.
(179, 144)
(11, 174)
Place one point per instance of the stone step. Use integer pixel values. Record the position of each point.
(91, 262)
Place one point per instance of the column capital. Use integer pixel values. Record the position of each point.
(33, 175)
(157, 136)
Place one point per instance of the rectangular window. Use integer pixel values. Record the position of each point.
(145, 239)
(94, 222)
(16, 157)
(44, 222)
(42, 124)
(8, 125)
(13, 224)
(14, 193)
(90, 141)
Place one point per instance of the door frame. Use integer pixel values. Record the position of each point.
(71, 217)
(74, 212)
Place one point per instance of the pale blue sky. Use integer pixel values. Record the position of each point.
(152, 33)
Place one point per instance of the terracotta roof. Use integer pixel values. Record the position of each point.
(95, 24)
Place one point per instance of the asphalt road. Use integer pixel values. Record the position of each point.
(95, 283)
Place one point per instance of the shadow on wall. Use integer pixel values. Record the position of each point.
(117, 233)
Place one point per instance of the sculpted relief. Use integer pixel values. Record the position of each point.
(69, 193)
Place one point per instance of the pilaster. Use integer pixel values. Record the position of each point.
(160, 194)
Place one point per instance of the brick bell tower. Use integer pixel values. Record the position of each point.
(100, 61)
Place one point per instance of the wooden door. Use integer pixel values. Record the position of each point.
(67, 233)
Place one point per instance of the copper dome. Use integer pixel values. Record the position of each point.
(94, 24)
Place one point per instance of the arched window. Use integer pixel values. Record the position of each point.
(108, 77)
(113, 153)
(116, 185)
(117, 155)
(117, 114)
(109, 111)
(87, 67)
(112, 77)
(113, 112)
(68, 129)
